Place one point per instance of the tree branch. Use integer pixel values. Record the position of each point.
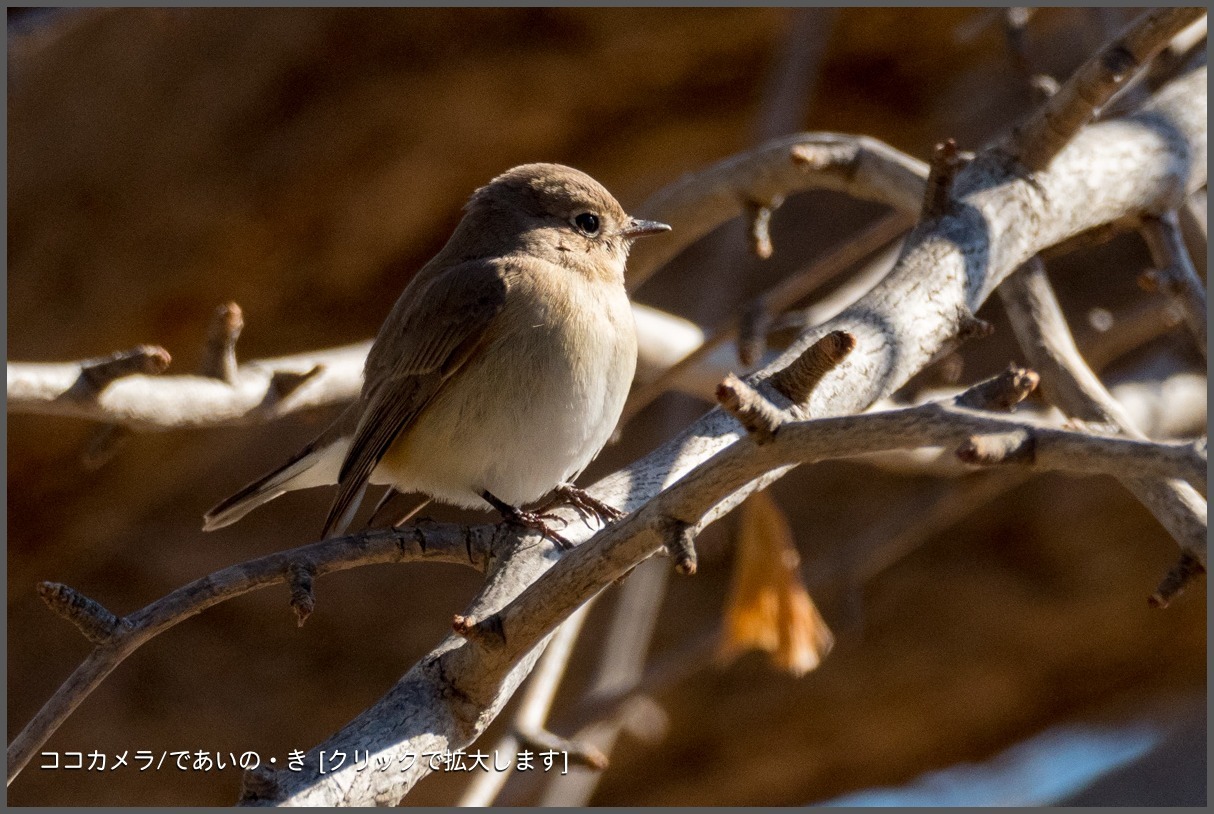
(702, 365)
(258, 391)
(532, 709)
(1174, 273)
(116, 638)
(1071, 385)
(1079, 100)
(857, 165)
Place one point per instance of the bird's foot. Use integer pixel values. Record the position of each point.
(536, 521)
(584, 502)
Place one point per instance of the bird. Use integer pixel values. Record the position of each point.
(502, 369)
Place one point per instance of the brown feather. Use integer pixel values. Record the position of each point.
(434, 327)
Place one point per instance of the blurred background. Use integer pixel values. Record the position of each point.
(303, 163)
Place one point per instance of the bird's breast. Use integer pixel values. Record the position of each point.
(534, 405)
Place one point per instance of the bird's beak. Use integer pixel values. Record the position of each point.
(640, 228)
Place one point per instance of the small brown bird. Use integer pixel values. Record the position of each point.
(502, 369)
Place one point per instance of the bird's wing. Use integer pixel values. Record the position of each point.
(428, 337)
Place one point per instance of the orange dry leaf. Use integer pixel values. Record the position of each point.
(768, 607)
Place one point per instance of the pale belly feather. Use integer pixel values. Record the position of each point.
(530, 411)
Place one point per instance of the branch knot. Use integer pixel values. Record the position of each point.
(90, 617)
(147, 360)
(797, 381)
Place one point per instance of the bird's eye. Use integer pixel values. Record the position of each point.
(588, 223)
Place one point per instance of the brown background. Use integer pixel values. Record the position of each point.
(303, 163)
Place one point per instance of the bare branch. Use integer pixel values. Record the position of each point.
(263, 390)
(699, 494)
(1110, 170)
(635, 619)
(1174, 273)
(679, 538)
(532, 709)
(949, 267)
(944, 166)
(219, 352)
(1186, 570)
(694, 371)
(1015, 25)
(797, 381)
(176, 402)
(1002, 392)
(753, 325)
(760, 417)
(117, 639)
(1071, 385)
(1057, 121)
(96, 375)
(92, 619)
(696, 204)
(759, 216)
(302, 598)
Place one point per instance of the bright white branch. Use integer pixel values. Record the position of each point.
(259, 391)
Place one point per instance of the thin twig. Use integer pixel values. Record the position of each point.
(90, 617)
(219, 352)
(1187, 569)
(1015, 25)
(756, 414)
(96, 375)
(943, 169)
(695, 205)
(121, 638)
(1174, 273)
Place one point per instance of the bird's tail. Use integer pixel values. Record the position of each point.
(317, 464)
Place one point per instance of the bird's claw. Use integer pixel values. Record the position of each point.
(538, 522)
(585, 503)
